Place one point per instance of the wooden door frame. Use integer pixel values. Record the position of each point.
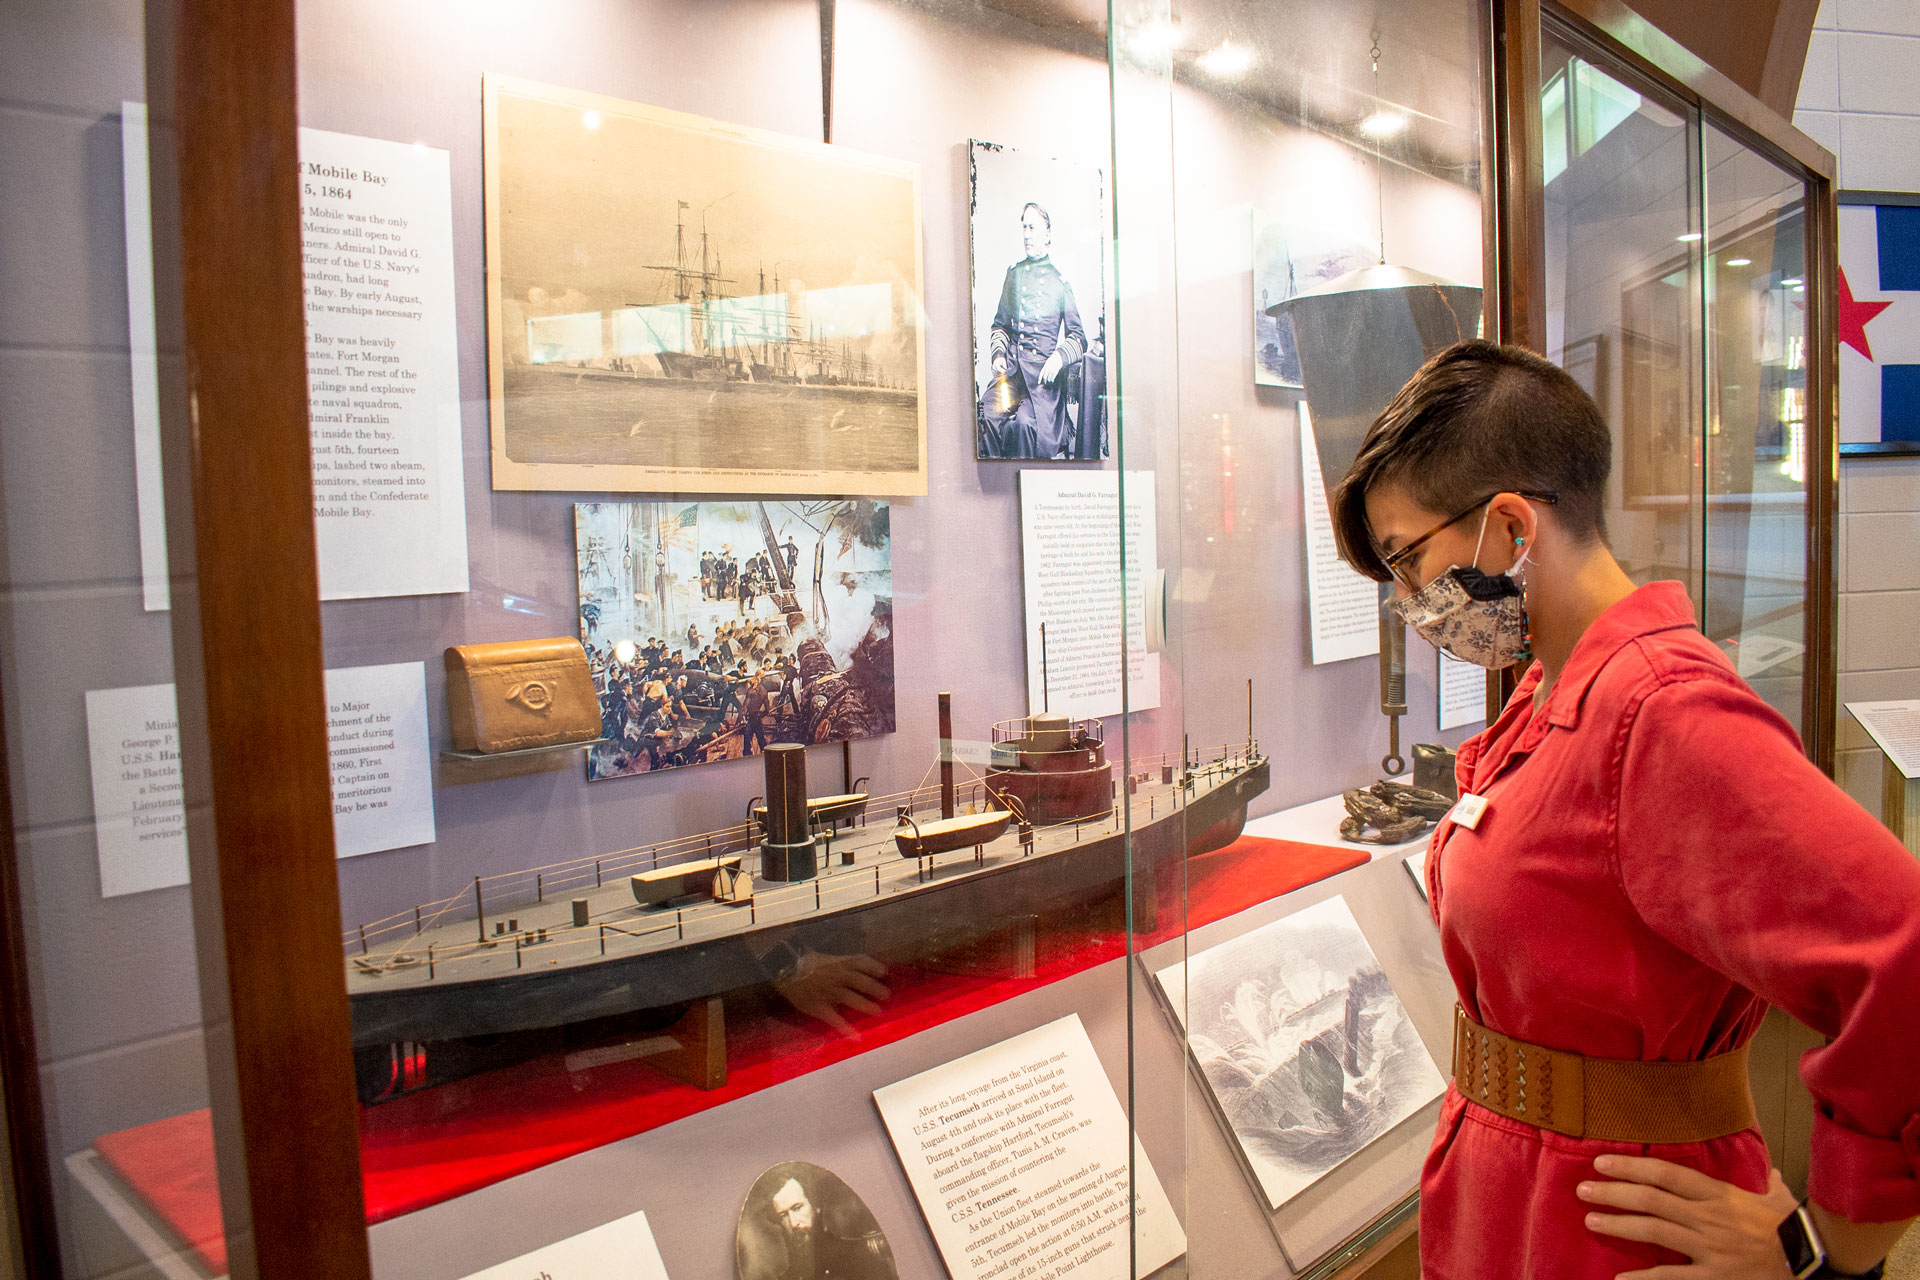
(223, 92)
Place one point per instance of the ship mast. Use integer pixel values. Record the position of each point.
(684, 274)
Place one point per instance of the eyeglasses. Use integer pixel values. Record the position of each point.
(1392, 563)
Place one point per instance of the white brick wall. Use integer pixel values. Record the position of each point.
(1860, 98)
(1860, 92)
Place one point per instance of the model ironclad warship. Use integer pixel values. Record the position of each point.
(657, 936)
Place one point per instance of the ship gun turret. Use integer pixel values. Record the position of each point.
(1051, 768)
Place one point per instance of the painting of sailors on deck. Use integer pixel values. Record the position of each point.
(1304, 1045)
(716, 628)
(1039, 306)
(679, 305)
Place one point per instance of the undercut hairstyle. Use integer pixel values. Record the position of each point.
(1479, 419)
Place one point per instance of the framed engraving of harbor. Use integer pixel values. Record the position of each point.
(1304, 1046)
(678, 305)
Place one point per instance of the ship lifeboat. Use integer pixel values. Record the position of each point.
(918, 839)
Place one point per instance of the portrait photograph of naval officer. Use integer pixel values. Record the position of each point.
(1039, 307)
(801, 1222)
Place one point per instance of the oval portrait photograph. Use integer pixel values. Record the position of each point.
(801, 1222)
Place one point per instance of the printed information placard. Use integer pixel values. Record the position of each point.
(1070, 555)
(383, 378)
(623, 1247)
(1018, 1156)
(1343, 607)
(139, 807)
(382, 771)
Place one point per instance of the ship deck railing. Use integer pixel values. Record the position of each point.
(490, 897)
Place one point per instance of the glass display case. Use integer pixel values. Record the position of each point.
(704, 635)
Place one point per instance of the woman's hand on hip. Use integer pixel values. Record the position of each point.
(1727, 1231)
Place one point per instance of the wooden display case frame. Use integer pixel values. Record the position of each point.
(223, 89)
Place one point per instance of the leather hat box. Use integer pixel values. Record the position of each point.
(520, 694)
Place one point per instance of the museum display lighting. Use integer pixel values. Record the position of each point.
(1154, 40)
(1383, 123)
(1794, 282)
(1688, 238)
(1227, 60)
(1739, 262)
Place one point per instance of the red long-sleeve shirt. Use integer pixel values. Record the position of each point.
(1657, 861)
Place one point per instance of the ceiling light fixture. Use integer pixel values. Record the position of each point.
(1383, 123)
(591, 119)
(1739, 262)
(1790, 281)
(1689, 238)
(1227, 60)
(1153, 41)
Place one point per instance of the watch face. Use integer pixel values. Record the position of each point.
(1797, 1239)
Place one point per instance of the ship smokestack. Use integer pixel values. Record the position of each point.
(788, 853)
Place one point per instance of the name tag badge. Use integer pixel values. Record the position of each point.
(1467, 811)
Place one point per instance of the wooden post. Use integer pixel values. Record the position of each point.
(479, 909)
(222, 88)
(1900, 803)
(416, 918)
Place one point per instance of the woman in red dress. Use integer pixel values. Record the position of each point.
(1642, 861)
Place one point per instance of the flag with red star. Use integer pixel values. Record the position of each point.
(1879, 323)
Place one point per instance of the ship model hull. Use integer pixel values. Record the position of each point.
(1077, 876)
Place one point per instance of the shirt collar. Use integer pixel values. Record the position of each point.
(1658, 606)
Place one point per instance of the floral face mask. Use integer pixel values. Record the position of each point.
(1475, 617)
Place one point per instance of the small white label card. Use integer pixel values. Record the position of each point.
(1018, 1156)
(139, 807)
(1895, 727)
(1468, 810)
(382, 769)
(1343, 606)
(623, 1247)
(1463, 692)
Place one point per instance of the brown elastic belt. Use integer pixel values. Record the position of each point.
(1609, 1099)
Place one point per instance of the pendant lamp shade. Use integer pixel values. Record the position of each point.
(1360, 337)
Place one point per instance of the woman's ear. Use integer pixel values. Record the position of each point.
(1512, 523)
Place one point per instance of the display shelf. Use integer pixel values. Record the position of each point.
(525, 753)
(1318, 822)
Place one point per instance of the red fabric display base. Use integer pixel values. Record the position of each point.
(169, 1163)
(445, 1141)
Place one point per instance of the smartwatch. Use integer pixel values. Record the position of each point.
(1806, 1252)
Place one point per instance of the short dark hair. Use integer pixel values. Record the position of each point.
(1035, 206)
(1479, 419)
